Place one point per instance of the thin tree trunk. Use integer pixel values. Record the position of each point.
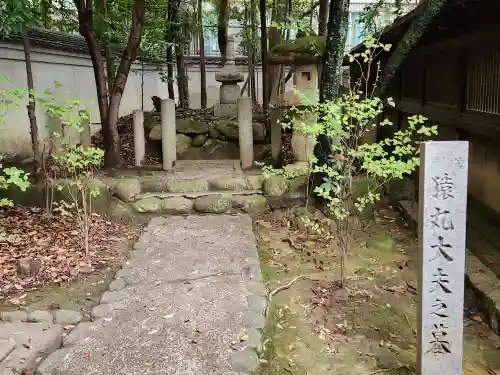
(128, 56)
(170, 73)
(247, 85)
(110, 67)
(323, 17)
(110, 61)
(263, 44)
(278, 15)
(203, 68)
(181, 77)
(338, 23)
(169, 38)
(322, 29)
(222, 26)
(85, 21)
(31, 107)
(100, 79)
(252, 58)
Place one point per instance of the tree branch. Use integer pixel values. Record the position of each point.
(406, 44)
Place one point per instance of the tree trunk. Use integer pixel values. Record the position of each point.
(274, 72)
(170, 72)
(108, 110)
(35, 141)
(110, 61)
(338, 23)
(170, 39)
(203, 68)
(406, 44)
(128, 56)
(322, 29)
(182, 82)
(265, 67)
(222, 26)
(252, 58)
(323, 17)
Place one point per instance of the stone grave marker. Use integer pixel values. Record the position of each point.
(442, 226)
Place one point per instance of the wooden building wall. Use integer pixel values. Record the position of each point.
(455, 83)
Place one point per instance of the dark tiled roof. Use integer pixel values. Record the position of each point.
(56, 40)
(52, 40)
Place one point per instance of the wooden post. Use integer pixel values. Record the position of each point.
(442, 227)
(168, 134)
(139, 141)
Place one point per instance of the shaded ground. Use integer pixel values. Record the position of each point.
(43, 263)
(370, 326)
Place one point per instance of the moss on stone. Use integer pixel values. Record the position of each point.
(306, 50)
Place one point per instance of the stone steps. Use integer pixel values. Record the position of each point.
(212, 189)
(218, 202)
(202, 184)
(194, 195)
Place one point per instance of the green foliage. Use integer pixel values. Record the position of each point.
(15, 15)
(9, 100)
(345, 121)
(74, 164)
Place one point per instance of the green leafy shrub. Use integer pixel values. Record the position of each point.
(9, 100)
(345, 122)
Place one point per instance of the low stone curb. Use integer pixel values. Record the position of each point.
(482, 287)
(245, 357)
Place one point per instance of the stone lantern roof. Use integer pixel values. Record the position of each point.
(301, 51)
(229, 73)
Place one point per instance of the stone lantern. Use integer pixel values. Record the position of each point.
(229, 77)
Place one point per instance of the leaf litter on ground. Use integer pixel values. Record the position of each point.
(51, 249)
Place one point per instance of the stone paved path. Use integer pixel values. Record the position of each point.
(190, 290)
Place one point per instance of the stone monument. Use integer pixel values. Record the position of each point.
(229, 77)
(442, 226)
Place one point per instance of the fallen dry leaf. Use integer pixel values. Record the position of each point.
(244, 337)
(46, 251)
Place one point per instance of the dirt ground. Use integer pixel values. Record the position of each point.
(314, 327)
(43, 265)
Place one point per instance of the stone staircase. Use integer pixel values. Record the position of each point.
(213, 189)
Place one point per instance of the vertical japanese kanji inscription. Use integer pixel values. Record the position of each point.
(442, 226)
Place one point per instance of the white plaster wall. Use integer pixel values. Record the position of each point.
(75, 73)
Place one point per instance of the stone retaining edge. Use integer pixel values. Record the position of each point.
(481, 284)
(246, 360)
